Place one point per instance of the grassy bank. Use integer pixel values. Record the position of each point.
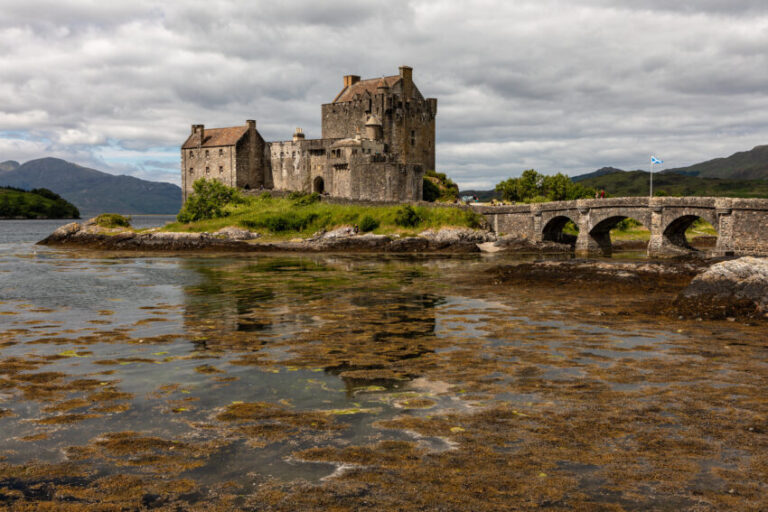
(285, 218)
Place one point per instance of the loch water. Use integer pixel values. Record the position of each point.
(261, 371)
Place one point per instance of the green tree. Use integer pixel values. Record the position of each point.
(534, 187)
(208, 201)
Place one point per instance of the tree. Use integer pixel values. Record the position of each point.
(534, 187)
(208, 201)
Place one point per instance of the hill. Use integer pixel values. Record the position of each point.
(35, 204)
(635, 183)
(90, 190)
(745, 165)
(595, 174)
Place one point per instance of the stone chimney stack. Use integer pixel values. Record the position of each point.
(351, 80)
(432, 105)
(199, 130)
(406, 73)
(298, 135)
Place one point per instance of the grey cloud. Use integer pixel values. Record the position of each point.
(555, 85)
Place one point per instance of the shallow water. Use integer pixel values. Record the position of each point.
(259, 371)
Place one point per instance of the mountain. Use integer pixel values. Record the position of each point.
(90, 190)
(745, 165)
(9, 165)
(636, 183)
(595, 174)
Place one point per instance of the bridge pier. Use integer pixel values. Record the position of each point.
(593, 244)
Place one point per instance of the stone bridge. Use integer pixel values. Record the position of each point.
(741, 224)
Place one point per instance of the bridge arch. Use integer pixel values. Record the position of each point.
(600, 234)
(553, 230)
(674, 232)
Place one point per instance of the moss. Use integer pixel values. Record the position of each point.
(113, 220)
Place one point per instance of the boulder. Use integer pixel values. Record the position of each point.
(235, 233)
(730, 288)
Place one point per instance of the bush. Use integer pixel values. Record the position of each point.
(306, 199)
(265, 195)
(431, 191)
(208, 201)
(282, 222)
(407, 217)
(368, 223)
(113, 220)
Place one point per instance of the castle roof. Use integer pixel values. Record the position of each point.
(349, 92)
(217, 137)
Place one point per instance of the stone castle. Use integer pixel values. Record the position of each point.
(378, 139)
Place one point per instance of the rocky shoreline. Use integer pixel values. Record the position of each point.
(345, 239)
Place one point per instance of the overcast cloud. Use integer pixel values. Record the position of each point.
(553, 85)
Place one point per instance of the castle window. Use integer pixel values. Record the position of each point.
(221, 169)
(207, 170)
(221, 152)
(191, 170)
(206, 153)
(413, 137)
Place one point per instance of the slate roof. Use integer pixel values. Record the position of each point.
(348, 93)
(217, 137)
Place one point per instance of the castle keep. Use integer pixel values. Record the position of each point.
(378, 139)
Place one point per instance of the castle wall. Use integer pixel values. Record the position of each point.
(218, 163)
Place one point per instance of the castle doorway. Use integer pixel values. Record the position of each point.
(318, 185)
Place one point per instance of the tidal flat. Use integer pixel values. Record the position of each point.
(332, 382)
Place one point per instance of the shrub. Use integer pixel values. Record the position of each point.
(265, 195)
(113, 220)
(431, 191)
(368, 223)
(306, 199)
(407, 217)
(282, 222)
(208, 201)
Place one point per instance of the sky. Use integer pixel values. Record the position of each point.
(557, 86)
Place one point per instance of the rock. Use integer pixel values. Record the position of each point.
(340, 232)
(235, 233)
(728, 289)
(490, 247)
(458, 235)
(514, 243)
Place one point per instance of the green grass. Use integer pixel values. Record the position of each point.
(113, 220)
(283, 218)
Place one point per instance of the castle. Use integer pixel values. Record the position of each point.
(378, 139)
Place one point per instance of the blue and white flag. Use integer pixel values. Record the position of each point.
(655, 160)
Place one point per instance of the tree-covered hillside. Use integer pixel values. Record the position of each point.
(636, 183)
(39, 203)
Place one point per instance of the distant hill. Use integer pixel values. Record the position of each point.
(595, 174)
(9, 165)
(40, 203)
(746, 165)
(483, 196)
(90, 190)
(635, 183)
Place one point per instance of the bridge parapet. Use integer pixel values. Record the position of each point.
(742, 224)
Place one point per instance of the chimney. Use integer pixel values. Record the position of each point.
(351, 80)
(406, 73)
(199, 129)
(432, 105)
(298, 135)
(251, 124)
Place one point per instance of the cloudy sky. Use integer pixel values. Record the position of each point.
(570, 86)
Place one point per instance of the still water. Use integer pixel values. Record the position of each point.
(234, 377)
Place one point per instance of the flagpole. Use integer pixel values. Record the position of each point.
(650, 194)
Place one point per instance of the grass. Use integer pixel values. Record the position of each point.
(285, 218)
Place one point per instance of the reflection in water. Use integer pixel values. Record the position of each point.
(224, 380)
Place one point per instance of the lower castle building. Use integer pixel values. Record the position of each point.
(378, 139)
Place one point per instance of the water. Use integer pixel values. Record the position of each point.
(260, 371)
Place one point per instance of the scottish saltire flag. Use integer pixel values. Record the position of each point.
(655, 160)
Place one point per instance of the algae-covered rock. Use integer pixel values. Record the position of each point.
(729, 288)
